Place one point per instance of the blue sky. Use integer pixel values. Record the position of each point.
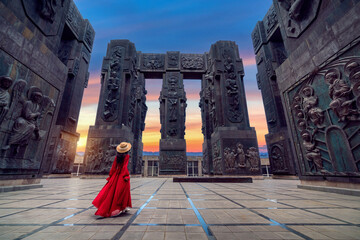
(185, 26)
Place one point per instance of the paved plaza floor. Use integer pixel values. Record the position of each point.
(265, 209)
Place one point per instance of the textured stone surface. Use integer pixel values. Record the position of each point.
(223, 108)
(319, 89)
(43, 56)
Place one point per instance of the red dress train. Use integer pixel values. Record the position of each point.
(115, 196)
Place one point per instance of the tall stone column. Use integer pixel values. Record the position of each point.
(233, 141)
(172, 118)
(270, 54)
(122, 97)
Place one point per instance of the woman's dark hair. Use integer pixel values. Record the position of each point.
(120, 157)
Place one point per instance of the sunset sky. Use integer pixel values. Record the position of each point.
(188, 26)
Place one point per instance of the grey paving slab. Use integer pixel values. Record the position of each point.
(265, 209)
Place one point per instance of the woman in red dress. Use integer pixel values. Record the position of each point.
(114, 198)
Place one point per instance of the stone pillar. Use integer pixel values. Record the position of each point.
(172, 118)
(233, 141)
(270, 53)
(122, 98)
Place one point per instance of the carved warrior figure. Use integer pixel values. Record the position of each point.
(5, 84)
(254, 159)
(26, 126)
(340, 93)
(173, 109)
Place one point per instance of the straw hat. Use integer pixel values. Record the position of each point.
(123, 147)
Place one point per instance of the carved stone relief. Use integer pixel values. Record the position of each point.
(173, 59)
(113, 84)
(192, 62)
(46, 14)
(278, 158)
(297, 15)
(253, 158)
(153, 61)
(234, 112)
(270, 20)
(73, 17)
(5, 84)
(217, 166)
(323, 119)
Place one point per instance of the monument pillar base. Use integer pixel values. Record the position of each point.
(172, 157)
(280, 154)
(101, 148)
(235, 152)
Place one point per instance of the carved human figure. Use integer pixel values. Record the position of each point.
(62, 164)
(25, 126)
(173, 109)
(5, 84)
(278, 159)
(254, 159)
(309, 102)
(294, 8)
(312, 153)
(341, 103)
(240, 155)
(229, 159)
(48, 8)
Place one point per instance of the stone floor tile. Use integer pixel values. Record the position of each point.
(154, 235)
(175, 236)
(132, 236)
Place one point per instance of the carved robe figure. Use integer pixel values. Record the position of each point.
(240, 155)
(254, 159)
(173, 109)
(5, 84)
(229, 159)
(312, 153)
(26, 126)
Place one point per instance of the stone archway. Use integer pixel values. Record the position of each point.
(228, 137)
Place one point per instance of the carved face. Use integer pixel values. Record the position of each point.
(307, 91)
(330, 76)
(172, 82)
(36, 97)
(5, 83)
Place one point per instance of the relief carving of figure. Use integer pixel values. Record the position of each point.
(62, 164)
(277, 156)
(253, 158)
(229, 159)
(294, 8)
(240, 155)
(48, 8)
(309, 102)
(26, 125)
(5, 84)
(340, 93)
(173, 109)
(312, 153)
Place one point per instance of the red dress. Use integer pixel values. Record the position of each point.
(115, 195)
